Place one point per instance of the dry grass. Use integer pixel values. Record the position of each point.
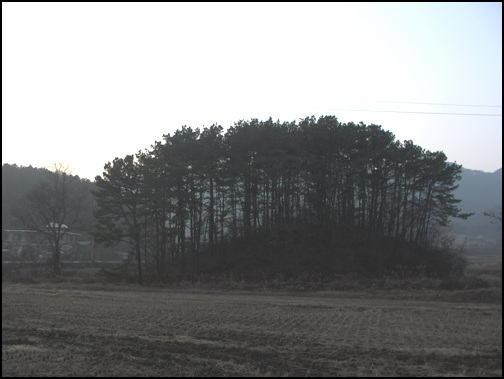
(112, 330)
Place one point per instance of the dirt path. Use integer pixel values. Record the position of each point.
(186, 333)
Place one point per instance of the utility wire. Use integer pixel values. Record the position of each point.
(456, 114)
(452, 105)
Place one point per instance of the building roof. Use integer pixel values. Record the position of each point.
(20, 231)
(34, 231)
(56, 225)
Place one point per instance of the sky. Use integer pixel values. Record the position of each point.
(84, 83)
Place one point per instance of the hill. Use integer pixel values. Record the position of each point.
(480, 192)
(16, 182)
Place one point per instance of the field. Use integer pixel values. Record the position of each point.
(112, 330)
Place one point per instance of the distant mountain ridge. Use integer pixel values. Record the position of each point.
(480, 189)
(17, 181)
(480, 192)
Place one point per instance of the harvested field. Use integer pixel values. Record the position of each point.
(108, 331)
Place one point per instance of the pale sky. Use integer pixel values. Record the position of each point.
(83, 83)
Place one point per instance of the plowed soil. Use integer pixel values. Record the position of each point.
(147, 332)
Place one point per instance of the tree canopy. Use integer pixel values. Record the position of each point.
(263, 184)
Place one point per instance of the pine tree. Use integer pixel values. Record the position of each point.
(120, 212)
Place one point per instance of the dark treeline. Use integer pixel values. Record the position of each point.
(348, 196)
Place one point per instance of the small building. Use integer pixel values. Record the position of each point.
(26, 244)
(479, 241)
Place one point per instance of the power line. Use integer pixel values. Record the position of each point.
(453, 114)
(452, 105)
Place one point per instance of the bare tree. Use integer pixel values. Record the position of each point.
(495, 216)
(54, 208)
